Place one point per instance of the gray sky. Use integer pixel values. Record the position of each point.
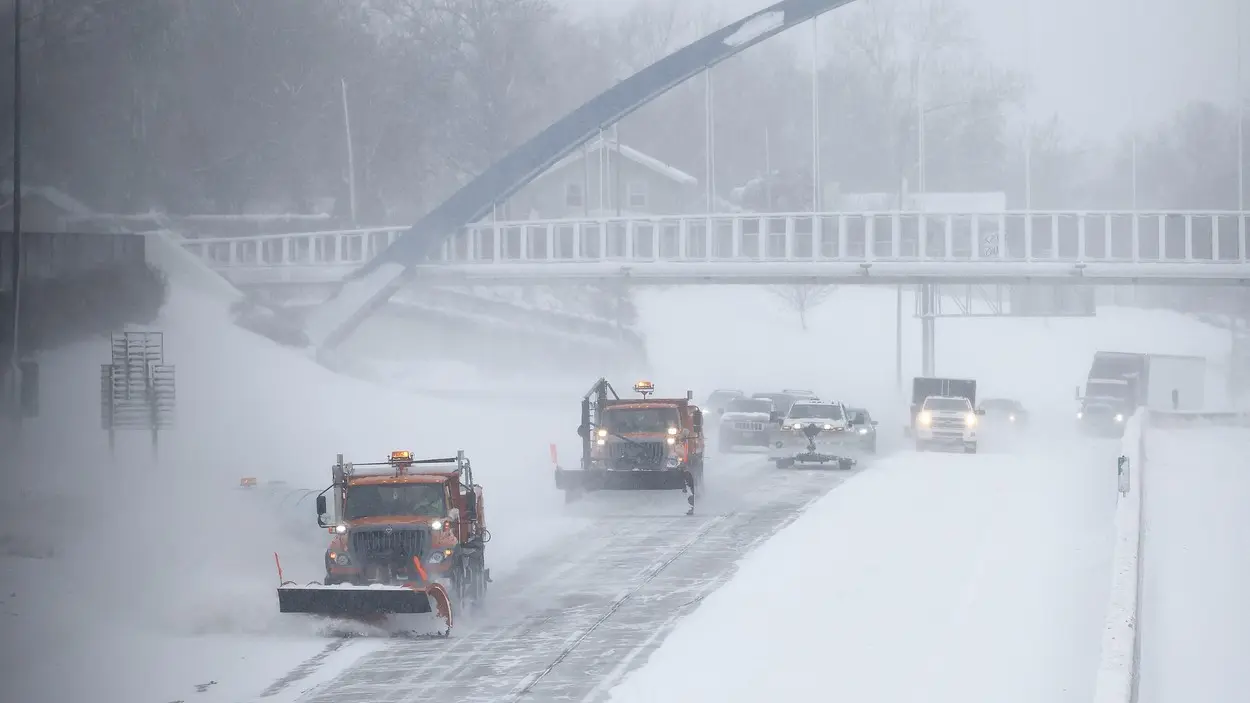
(1101, 65)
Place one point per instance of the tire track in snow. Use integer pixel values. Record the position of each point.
(635, 579)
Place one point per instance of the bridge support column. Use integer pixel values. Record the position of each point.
(928, 316)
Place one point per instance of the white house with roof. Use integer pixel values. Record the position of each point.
(605, 178)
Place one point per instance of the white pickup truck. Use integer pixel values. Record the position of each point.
(947, 422)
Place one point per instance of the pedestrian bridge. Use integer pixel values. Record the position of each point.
(1105, 247)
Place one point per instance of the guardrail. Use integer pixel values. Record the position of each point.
(1121, 639)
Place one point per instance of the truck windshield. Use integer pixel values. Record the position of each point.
(406, 500)
(626, 420)
(750, 405)
(946, 405)
(802, 411)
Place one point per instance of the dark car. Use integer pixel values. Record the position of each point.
(1005, 411)
(865, 428)
(781, 402)
(720, 399)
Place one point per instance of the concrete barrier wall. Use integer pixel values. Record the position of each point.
(1117, 667)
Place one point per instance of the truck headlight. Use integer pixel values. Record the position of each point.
(925, 418)
(828, 427)
(340, 529)
(863, 430)
(672, 441)
(970, 420)
(436, 525)
(1011, 418)
(1080, 416)
(1119, 417)
(672, 431)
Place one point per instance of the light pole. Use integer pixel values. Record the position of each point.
(709, 111)
(1241, 119)
(1028, 114)
(817, 204)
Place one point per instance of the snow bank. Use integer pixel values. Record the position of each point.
(1118, 663)
(931, 577)
(1195, 617)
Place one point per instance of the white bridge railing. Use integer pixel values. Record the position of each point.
(1102, 237)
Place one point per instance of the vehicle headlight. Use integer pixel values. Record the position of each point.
(828, 427)
(970, 420)
(1011, 418)
(672, 441)
(340, 529)
(436, 525)
(436, 558)
(601, 442)
(925, 417)
(603, 433)
(672, 431)
(1119, 417)
(863, 430)
(1080, 415)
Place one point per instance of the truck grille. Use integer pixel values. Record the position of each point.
(748, 427)
(946, 423)
(399, 544)
(637, 454)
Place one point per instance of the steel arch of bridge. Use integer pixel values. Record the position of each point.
(378, 280)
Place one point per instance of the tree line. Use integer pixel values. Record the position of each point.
(188, 106)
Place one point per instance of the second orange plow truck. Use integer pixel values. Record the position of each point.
(635, 444)
(407, 536)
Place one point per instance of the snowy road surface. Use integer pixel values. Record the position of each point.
(577, 616)
(930, 577)
(1195, 625)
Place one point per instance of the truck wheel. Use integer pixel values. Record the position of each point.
(784, 463)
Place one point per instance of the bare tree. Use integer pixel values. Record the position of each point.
(803, 297)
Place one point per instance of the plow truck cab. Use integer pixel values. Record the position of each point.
(406, 536)
(635, 444)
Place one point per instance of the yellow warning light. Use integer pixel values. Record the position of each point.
(403, 455)
(644, 387)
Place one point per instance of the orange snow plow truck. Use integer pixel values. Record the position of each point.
(637, 444)
(408, 536)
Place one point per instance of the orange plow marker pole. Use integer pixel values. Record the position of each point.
(278, 563)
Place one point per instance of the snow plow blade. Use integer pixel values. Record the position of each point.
(578, 480)
(359, 601)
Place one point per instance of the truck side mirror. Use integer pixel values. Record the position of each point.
(774, 417)
(583, 431)
(698, 422)
(1176, 399)
(1076, 395)
(321, 505)
(980, 411)
(874, 423)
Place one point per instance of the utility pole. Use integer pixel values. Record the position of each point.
(709, 113)
(15, 272)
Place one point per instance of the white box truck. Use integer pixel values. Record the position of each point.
(1176, 383)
